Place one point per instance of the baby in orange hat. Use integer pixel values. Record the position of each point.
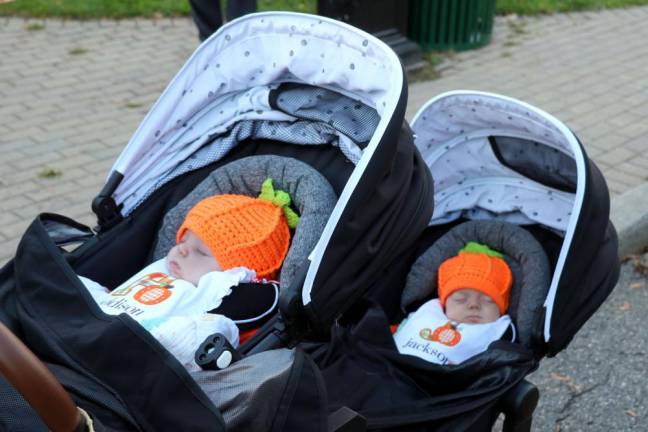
(474, 286)
(470, 313)
(225, 240)
(227, 231)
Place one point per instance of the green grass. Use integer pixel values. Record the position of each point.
(308, 6)
(88, 9)
(533, 7)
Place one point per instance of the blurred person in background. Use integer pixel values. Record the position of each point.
(208, 16)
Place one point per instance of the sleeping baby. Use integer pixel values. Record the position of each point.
(470, 313)
(224, 240)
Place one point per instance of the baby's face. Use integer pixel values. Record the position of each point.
(470, 306)
(190, 259)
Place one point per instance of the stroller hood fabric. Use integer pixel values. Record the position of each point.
(236, 86)
(494, 157)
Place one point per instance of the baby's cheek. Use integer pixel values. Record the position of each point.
(172, 253)
(494, 311)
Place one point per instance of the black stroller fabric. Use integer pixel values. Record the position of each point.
(16, 414)
(592, 266)
(364, 371)
(78, 343)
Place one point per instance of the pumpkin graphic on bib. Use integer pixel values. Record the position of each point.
(152, 295)
(447, 335)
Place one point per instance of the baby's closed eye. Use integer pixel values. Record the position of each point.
(487, 299)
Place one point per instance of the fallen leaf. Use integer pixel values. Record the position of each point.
(558, 377)
(626, 306)
(639, 262)
(632, 413)
(575, 387)
(637, 285)
(6, 1)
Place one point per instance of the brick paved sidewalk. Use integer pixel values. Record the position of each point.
(72, 93)
(590, 70)
(71, 96)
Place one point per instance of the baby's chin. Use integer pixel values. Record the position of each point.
(471, 319)
(474, 320)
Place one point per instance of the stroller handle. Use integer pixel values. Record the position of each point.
(31, 378)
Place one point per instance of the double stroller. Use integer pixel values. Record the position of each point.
(319, 106)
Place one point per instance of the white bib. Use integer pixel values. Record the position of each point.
(173, 310)
(428, 334)
(152, 295)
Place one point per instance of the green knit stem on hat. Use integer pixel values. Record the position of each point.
(280, 199)
(474, 247)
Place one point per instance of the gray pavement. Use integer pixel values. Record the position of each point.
(600, 382)
(72, 93)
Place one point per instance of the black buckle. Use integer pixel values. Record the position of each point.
(216, 353)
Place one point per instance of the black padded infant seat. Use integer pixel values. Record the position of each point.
(524, 254)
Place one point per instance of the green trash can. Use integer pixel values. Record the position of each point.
(451, 24)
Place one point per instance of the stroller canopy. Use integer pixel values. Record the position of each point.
(494, 157)
(230, 90)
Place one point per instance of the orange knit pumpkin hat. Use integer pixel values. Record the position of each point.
(243, 231)
(480, 268)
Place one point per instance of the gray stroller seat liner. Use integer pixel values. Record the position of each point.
(524, 254)
(312, 196)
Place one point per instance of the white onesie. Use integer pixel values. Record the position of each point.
(430, 335)
(174, 310)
